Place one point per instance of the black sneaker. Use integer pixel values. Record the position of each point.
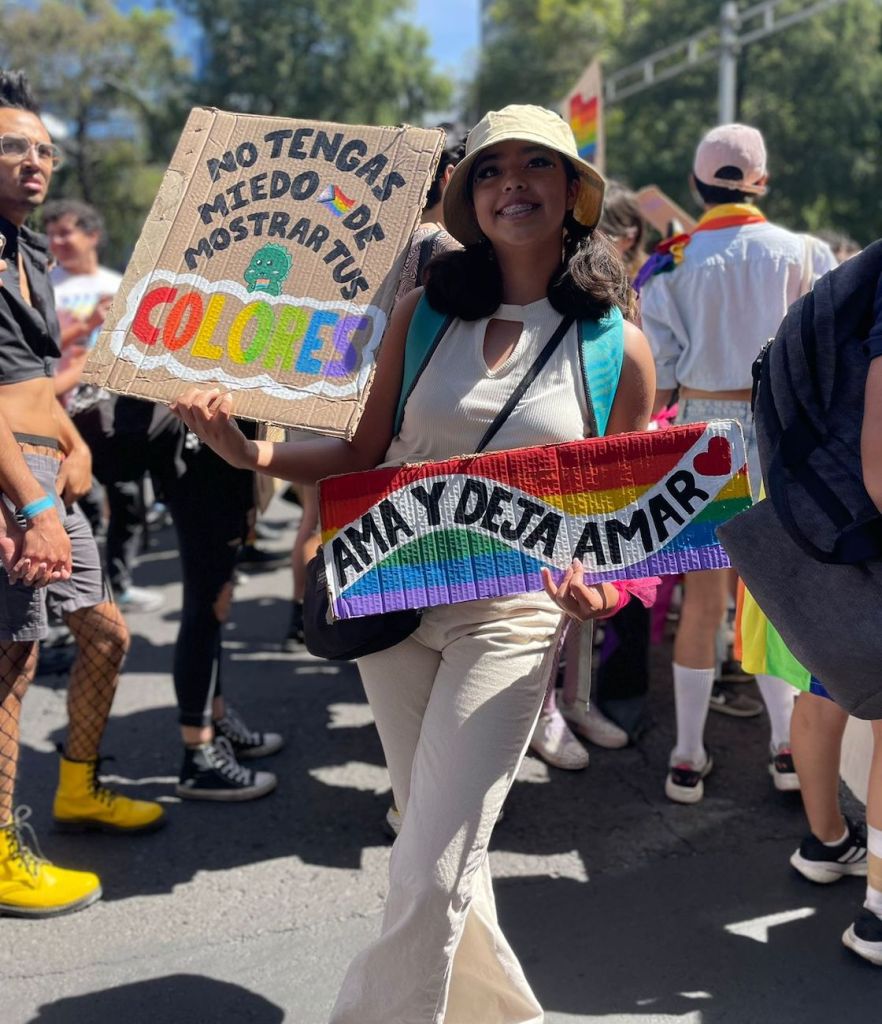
(290, 495)
(211, 772)
(246, 743)
(824, 864)
(730, 702)
(295, 638)
(251, 554)
(685, 781)
(864, 936)
(782, 770)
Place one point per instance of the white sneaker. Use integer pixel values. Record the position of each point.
(782, 770)
(555, 744)
(685, 781)
(392, 822)
(590, 722)
(139, 599)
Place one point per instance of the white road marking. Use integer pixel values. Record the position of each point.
(757, 928)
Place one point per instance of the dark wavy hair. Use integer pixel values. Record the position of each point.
(15, 91)
(85, 216)
(716, 195)
(589, 282)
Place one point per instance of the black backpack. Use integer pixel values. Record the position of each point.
(808, 406)
(818, 533)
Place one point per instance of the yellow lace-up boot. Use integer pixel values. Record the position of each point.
(82, 803)
(32, 887)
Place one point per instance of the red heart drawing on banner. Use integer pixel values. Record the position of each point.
(716, 461)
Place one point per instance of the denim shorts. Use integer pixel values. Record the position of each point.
(23, 610)
(700, 410)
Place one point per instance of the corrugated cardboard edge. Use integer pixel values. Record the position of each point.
(104, 370)
(154, 234)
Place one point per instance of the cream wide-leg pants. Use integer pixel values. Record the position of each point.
(455, 705)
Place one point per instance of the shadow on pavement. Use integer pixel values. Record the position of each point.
(169, 1000)
(315, 814)
(623, 947)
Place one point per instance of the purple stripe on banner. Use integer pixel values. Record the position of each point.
(709, 557)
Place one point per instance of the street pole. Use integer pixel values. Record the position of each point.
(728, 62)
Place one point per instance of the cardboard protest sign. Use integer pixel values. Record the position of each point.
(660, 211)
(583, 111)
(477, 526)
(268, 265)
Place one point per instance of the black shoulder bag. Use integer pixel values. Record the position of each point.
(347, 639)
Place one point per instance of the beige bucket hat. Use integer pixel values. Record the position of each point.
(526, 123)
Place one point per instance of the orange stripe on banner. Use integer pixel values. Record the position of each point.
(630, 462)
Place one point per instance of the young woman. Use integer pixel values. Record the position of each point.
(455, 703)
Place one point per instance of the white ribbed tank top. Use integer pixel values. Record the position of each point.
(457, 397)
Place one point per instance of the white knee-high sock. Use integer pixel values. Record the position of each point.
(692, 690)
(778, 697)
(873, 901)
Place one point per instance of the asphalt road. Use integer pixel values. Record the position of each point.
(622, 906)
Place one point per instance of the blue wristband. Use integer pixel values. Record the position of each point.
(34, 508)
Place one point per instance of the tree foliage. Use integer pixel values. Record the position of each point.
(813, 89)
(317, 59)
(115, 82)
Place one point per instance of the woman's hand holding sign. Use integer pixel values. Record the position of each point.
(579, 600)
(209, 414)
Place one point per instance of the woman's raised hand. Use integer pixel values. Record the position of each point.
(209, 415)
(578, 599)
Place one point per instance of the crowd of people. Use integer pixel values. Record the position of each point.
(520, 243)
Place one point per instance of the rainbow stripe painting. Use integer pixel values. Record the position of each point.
(476, 526)
(584, 122)
(336, 200)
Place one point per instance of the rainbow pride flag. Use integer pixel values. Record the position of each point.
(336, 200)
(583, 118)
(476, 526)
(760, 649)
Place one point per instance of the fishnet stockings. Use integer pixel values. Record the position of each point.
(18, 662)
(102, 641)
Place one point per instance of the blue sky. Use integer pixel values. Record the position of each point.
(452, 26)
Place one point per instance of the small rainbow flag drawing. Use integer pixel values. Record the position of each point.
(336, 200)
(477, 526)
(584, 122)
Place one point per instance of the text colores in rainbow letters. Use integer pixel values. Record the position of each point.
(244, 338)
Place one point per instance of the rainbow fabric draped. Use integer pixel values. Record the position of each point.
(669, 253)
(760, 649)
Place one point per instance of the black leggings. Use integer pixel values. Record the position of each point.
(211, 523)
(210, 503)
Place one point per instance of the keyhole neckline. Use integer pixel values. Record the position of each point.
(513, 311)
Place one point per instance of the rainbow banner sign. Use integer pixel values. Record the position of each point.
(582, 109)
(476, 526)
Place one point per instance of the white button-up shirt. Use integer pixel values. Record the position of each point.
(708, 318)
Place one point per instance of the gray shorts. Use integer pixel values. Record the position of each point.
(700, 410)
(23, 610)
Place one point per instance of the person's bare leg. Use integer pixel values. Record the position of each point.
(306, 544)
(816, 743)
(704, 604)
(307, 541)
(815, 736)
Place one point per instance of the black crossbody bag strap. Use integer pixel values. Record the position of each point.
(529, 377)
